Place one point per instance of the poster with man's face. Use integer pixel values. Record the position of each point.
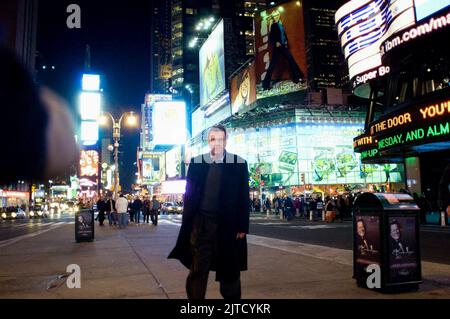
(290, 17)
(403, 264)
(84, 224)
(367, 240)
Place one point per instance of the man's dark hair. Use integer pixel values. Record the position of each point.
(218, 127)
(395, 222)
(122, 195)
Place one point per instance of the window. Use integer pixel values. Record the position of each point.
(191, 11)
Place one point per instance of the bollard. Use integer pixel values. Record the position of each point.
(310, 215)
(442, 219)
(323, 215)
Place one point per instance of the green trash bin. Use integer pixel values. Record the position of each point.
(386, 237)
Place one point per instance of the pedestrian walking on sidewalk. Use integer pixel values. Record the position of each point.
(121, 208)
(213, 232)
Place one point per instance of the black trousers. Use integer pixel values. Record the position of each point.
(204, 247)
(296, 73)
(154, 217)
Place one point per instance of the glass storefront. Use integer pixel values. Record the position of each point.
(306, 153)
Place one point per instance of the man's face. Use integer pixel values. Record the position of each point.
(217, 142)
(360, 229)
(395, 232)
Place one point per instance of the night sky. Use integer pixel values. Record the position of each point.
(118, 34)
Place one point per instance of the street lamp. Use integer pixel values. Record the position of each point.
(116, 125)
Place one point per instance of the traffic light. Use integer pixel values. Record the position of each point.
(303, 178)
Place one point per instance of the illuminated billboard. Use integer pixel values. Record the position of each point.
(89, 132)
(323, 152)
(173, 187)
(243, 89)
(89, 161)
(365, 30)
(152, 167)
(169, 123)
(91, 82)
(90, 105)
(425, 8)
(212, 65)
(280, 44)
(173, 162)
(362, 27)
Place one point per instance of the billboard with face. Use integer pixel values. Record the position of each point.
(243, 89)
(280, 43)
(89, 161)
(212, 65)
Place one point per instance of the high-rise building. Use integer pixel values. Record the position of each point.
(18, 24)
(326, 67)
(161, 59)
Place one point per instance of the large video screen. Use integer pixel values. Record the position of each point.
(279, 32)
(89, 161)
(425, 8)
(169, 123)
(323, 152)
(243, 89)
(212, 65)
(173, 162)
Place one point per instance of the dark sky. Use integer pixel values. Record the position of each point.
(118, 34)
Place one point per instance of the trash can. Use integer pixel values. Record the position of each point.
(386, 237)
(84, 225)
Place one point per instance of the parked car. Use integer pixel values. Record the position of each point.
(13, 213)
(171, 208)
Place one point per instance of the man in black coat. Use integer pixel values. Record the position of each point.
(279, 42)
(215, 220)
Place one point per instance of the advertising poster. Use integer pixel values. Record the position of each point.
(84, 225)
(280, 43)
(212, 65)
(173, 162)
(367, 240)
(169, 123)
(147, 168)
(403, 264)
(243, 89)
(89, 161)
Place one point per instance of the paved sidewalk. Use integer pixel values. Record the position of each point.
(133, 263)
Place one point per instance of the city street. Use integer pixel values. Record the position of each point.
(132, 263)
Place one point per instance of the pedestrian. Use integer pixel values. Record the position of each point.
(137, 208)
(146, 209)
(121, 208)
(288, 206)
(213, 232)
(110, 208)
(155, 207)
(268, 205)
(101, 206)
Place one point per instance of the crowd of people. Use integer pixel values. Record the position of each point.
(338, 207)
(124, 210)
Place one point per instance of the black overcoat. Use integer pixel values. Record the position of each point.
(233, 216)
